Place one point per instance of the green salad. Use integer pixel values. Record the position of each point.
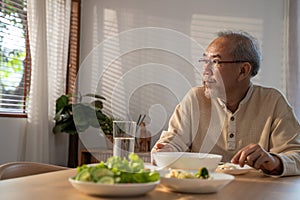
(202, 173)
(117, 170)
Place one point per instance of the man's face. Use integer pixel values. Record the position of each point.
(219, 79)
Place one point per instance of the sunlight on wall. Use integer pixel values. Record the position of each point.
(146, 97)
(114, 71)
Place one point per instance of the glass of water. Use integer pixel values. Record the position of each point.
(124, 138)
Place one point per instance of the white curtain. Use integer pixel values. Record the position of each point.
(48, 22)
(293, 69)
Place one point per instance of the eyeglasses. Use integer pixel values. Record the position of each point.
(216, 62)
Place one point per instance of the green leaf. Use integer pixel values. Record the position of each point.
(65, 126)
(93, 121)
(80, 116)
(61, 102)
(58, 116)
(98, 105)
(101, 116)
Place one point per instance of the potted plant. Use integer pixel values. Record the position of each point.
(85, 115)
(73, 118)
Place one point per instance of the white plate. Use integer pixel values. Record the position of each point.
(114, 190)
(213, 185)
(233, 169)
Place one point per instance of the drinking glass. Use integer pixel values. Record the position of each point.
(124, 138)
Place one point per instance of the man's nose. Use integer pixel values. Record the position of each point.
(207, 69)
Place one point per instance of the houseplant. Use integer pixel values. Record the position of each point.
(86, 114)
(73, 118)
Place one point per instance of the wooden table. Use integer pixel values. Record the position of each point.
(55, 185)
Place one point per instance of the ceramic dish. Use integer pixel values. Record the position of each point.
(212, 185)
(233, 169)
(113, 190)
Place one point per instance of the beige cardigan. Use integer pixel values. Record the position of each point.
(199, 124)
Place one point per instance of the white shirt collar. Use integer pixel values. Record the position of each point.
(244, 100)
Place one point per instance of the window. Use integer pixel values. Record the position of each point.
(14, 58)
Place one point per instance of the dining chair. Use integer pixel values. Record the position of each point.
(20, 169)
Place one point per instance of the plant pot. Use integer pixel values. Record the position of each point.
(73, 151)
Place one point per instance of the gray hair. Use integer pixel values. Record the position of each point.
(245, 47)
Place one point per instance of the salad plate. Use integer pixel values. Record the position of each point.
(233, 169)
(187, 185)
(113, 190)
(116, 177)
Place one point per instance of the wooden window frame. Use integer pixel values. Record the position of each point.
(73, 66)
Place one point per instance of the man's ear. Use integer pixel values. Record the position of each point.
(245, 71)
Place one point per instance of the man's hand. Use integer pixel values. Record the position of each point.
(160, 147)
(255, 156)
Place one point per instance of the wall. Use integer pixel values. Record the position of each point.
(11, 137)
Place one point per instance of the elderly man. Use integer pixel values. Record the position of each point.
(229, 115)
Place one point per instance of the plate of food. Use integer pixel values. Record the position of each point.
(233, 169)
(193, 181)
(113, 190)
(116, 178)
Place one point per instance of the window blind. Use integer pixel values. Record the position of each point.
(14, 58)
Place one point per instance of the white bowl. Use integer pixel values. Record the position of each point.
(186, 160)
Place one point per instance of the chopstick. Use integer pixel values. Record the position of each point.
(142, 119)
(138, 121)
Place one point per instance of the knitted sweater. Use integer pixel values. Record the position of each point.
(199, 124)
